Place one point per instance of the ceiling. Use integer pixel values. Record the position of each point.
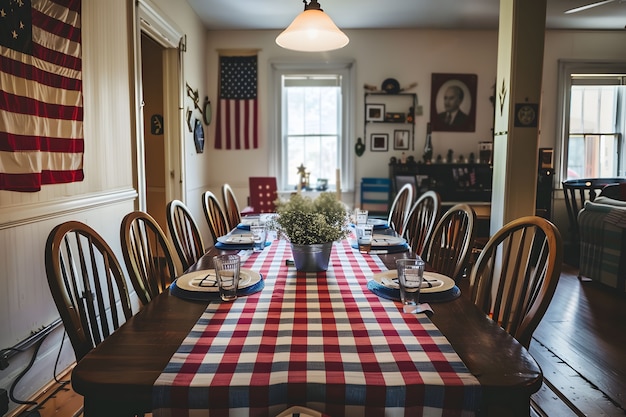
(383, 14)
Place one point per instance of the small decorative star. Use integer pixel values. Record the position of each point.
(302, 170)
(2, 13)
(20, 3)
(14, 33)
(21, 25)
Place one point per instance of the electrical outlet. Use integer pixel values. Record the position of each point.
(4, 402)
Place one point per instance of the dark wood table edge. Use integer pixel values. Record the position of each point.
(136, 397)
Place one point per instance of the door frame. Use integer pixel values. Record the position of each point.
(150, 21)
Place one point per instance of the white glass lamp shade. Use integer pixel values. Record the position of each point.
(312, 31)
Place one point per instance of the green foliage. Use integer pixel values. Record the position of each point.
(306, 221)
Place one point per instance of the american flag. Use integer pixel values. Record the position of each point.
(237, 113)
(41, 110)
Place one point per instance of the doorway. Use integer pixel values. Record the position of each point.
(159, 127)
(153, 128)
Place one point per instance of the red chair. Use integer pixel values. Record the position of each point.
(263, 194)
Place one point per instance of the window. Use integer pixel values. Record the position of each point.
(312, 124)
(594, 112)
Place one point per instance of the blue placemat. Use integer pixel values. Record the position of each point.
(430, 297)
(215, 295)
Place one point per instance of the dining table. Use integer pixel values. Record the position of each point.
(323, 340)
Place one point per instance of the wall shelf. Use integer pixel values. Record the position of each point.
(393, 116)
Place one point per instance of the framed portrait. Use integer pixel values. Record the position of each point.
(453, 102)
(379, 142)
(375, 112)
(401, 140)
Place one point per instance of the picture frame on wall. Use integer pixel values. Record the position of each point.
(379, 142)
(453, 102)
(401, 139)
(374, 112)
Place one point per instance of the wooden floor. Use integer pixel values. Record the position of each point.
(580, 345)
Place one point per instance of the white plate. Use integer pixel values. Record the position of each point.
(387, 240)
(236, 239)
(206, 281)
(377, 222)
(392, 275)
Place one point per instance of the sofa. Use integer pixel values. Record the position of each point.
(602, 227)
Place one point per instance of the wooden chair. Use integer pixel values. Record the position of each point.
(215, 217)
(147, 254)
(87, 284)
(516, 275)
(231, 208)
(421, 221)
(184, 233)
(449, 246)
(263, 194)
(400, 209)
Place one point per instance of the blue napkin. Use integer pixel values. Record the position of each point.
(425, 297)
(213, 295)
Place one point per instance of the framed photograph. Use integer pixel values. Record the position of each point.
(453, 102)
(379, 142)
(401, 140)
(375, 112)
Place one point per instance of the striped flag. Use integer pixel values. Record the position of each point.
(41, 113)
(237, 116)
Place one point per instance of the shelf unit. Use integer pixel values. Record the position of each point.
(388, 114)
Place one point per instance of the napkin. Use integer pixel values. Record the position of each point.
(426, 283)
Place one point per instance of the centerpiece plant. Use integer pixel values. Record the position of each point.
(311, 226)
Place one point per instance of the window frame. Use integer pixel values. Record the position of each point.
(346, 69)
(566, 69)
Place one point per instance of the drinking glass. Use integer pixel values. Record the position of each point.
(360, 216)
(259, 235)
(227, 272)
(364, 236)
(410, 276)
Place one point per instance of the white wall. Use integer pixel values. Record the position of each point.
(101, 200)
(414, 55)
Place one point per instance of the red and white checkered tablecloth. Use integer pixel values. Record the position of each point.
(319, 340)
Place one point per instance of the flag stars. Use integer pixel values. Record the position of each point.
(14, 34)
(3, 13)
(20, 3)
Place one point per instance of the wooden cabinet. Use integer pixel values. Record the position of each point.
(454, 182)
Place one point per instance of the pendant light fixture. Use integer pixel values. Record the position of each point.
(312, 31)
